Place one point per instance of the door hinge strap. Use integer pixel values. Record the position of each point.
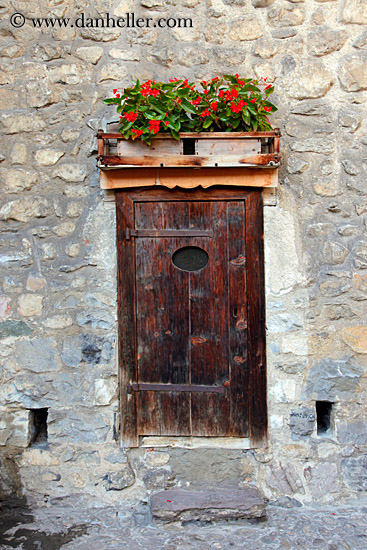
(175, 387)
(166, 233)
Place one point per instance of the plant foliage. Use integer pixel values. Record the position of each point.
(224, 104)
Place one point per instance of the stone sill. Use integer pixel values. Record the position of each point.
(196, 442)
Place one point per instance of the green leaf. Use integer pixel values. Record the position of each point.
(175, 134)
(111, 100)
(188, 106)
(207, 122)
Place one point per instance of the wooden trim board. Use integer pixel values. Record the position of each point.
(188, 178)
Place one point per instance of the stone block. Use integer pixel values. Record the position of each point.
(38, 355)
(207, 504)
(120, 479)
(71, 172)
(353, 72)
(302, 422)
(245, 28)
(76, 426)
(154, 459)
(331, 379)
(159, 478)
(30, 305)
(112, 71)
(25, 209)
(283, 322)
(312, 80)
(23, 122)
(209, 465)
(356, 338)
(322, 479)
(334, 253)
(284, 479)
(354, 11)
(14, 328)
(15, 179)
(354, 433)
(360, 43)
(323, 41)
(355, 472)
(15, 428)
(91, 54)
(105, 390)
(48, 157)
(286, 16)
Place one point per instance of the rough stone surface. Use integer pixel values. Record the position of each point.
(352, 73)
(119, 480)
(302, 422)
(312, 81)
(208, 504)
(331, 379)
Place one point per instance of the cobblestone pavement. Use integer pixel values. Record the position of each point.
(73, 526)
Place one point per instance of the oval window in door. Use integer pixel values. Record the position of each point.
(190, 258)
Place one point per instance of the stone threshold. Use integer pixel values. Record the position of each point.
(207, 504)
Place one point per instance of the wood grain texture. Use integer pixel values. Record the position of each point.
(238, 318)
(218, 160)
(188, 178)
(126, 318)
(256, 319)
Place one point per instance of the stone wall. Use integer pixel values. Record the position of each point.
(57, 255)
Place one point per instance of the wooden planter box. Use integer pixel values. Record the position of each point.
(211, 152)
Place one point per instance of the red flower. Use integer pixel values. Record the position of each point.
(267, 87)
(234, 93)
(138, 133)
(205, 113)
(237, 75)
(267, 109)
(204, 82)
(114, 91)
(253, 100)
(214, 106)
(221, 93)
(206, 92)
(241, 82)
(131, 117)
(117, 95)
(166, 122)
(196, 101)
(154, 126)
(238, 108)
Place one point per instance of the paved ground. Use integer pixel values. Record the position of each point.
(72, 526)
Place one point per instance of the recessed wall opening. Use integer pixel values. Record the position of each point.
(188, 146)
(323, 416)
(38, 426)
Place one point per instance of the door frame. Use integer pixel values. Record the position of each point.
(126, 286)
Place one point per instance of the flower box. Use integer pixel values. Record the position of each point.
(197, 150)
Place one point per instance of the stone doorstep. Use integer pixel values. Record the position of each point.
(207, 504)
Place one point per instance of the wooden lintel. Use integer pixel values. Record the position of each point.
(188, 178)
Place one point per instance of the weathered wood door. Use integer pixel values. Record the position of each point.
(191, 313)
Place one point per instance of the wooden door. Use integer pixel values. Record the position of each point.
(191, 314)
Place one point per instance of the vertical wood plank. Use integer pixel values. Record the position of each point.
(162, 321)
(126, 318)
(209, 317)
(256, 319)
(237, 321)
